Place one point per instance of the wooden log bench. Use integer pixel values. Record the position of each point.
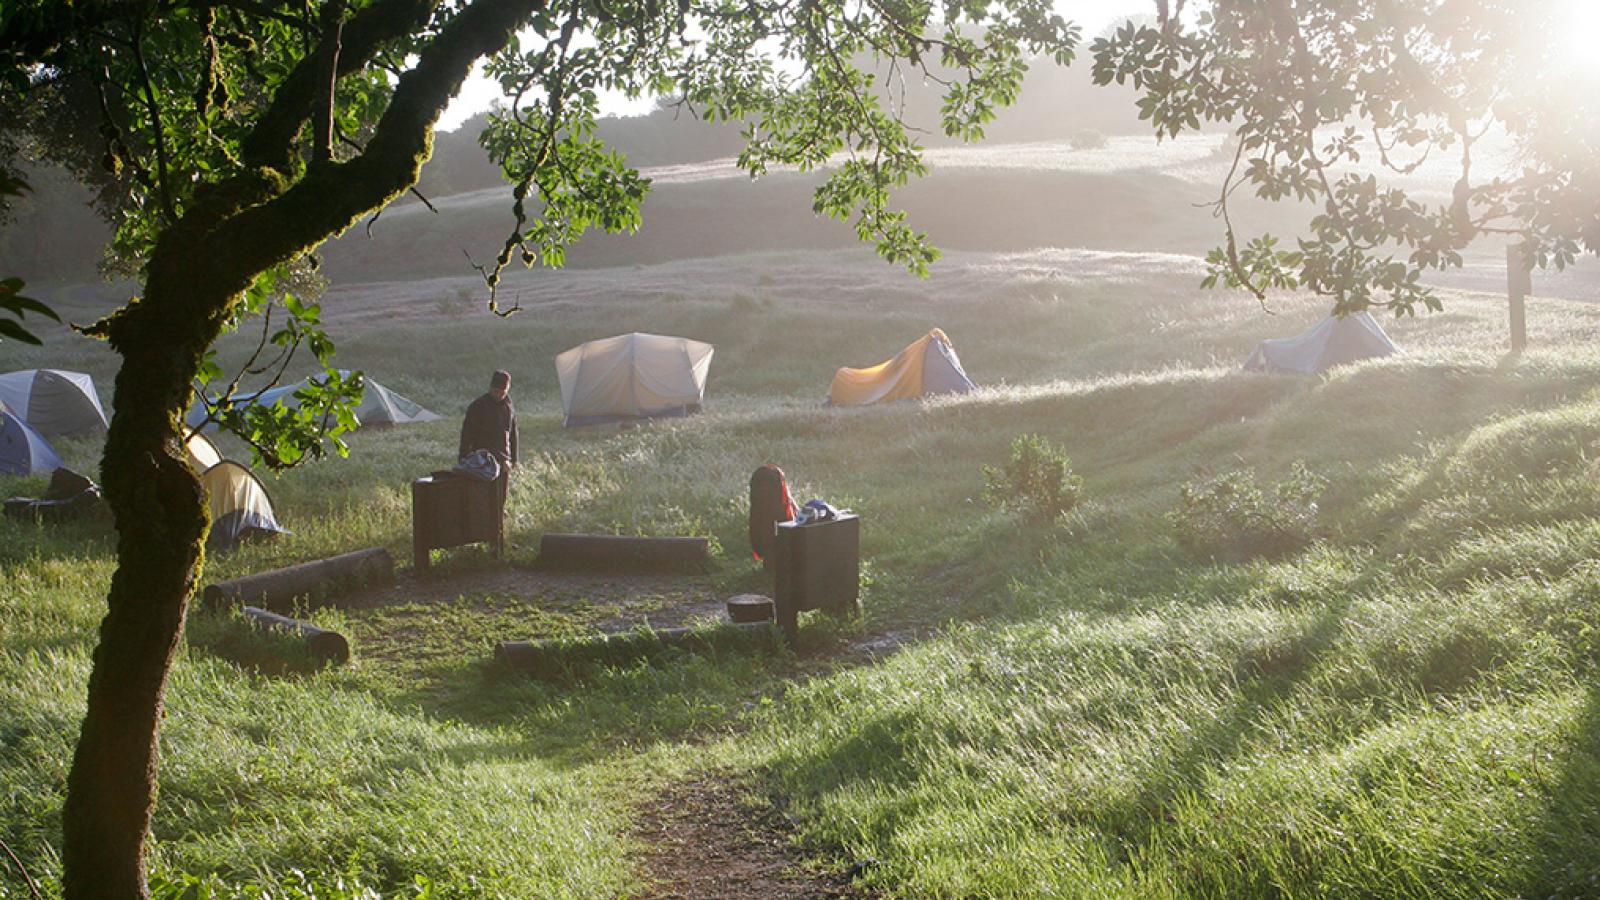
(623, 554)
(324, 645)
(278, 589)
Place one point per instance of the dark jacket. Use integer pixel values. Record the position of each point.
(491, 425)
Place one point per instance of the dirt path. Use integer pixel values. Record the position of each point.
(706, 840)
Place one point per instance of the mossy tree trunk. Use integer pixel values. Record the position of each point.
(233, 232)
(161, 519)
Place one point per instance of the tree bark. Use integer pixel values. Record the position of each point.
(161, 517)
(235, 230)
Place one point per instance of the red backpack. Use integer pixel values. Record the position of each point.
(770, 503)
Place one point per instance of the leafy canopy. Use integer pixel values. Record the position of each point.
(204, 109)
(1334, 102)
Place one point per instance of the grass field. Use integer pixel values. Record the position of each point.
(1406, 707)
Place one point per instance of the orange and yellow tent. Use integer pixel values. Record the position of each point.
(928, 366)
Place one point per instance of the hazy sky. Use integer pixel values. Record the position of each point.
(479, 92)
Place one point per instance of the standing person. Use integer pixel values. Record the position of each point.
(491, 423)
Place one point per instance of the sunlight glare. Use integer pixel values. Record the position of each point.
(1579, 35)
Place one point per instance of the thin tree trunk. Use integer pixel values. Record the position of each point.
(162, 518)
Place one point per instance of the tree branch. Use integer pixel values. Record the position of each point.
(271, 232)
(157, 129)
(271, 142)
(328, 88)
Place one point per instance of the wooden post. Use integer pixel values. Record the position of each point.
(1519, 284)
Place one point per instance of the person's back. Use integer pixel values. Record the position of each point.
(491, 422)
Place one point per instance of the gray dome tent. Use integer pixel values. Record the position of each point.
(53, 402)
(379, 405)
(23, 451)
(1331, 342)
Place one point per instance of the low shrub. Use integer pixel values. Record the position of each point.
(1230, 516)
(457, 304)
(1037, 481)
(1086, 139)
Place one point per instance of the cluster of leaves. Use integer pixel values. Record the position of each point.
(1231, 517)
(1315, 90)
(14, 307)
(1036, 480)
(813, 84)
(290, 430)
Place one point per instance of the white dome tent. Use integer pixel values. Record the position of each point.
(202, 451)
(53, 402)
(633, 376)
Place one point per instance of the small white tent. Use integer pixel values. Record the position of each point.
(928, 366)
(632, 376)
(379, 406)
(1331, 342)
(53, 402)
(240, 507)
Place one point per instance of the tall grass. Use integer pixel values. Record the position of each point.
(1404, 708)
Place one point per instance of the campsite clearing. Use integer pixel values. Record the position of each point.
(1082, 709)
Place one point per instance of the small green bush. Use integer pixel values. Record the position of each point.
(1037, 481)
(1086, 139)
(458, 304)
(1230, 516)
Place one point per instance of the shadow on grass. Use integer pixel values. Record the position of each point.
(1568, 842)
(1268, 676)
(676, 695)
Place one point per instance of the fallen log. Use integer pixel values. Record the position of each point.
(279, 589)
(620, 553)
(554, 658)
(329, 646)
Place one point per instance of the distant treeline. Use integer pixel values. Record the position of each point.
(1057, 104)
(56, 234)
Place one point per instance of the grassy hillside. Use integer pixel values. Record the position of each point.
(1405, 707)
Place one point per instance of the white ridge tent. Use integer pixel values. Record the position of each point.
(1331, 342)
(632, 376)
(379, 405)
(53, 402)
